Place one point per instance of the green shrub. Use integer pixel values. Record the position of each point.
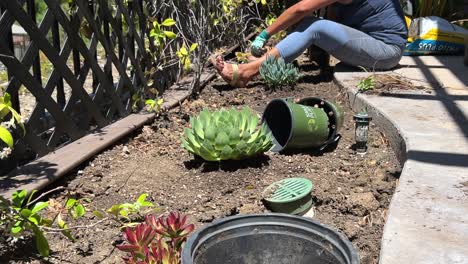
(276, 73)
(226, 135)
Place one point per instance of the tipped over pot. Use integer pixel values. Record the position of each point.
(310, 123)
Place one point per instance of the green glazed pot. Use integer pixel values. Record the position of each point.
(295, 126)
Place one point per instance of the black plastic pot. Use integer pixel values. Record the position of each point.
(268, 239)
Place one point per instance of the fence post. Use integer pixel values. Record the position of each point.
(9, 42)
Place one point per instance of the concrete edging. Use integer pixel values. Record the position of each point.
(427, 219)
(357, 102)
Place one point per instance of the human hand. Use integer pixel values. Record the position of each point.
(257, 45)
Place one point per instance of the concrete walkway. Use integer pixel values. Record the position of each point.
(428, 216)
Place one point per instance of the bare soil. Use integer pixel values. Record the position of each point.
(351, 193)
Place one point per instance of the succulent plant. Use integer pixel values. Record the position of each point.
(276, 73)
(226, 135)
(158, 240)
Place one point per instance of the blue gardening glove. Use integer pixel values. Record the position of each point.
(257, 45)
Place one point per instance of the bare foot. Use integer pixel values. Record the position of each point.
(227, 72)
(251, 58)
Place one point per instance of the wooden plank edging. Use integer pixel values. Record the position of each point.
(43, 171)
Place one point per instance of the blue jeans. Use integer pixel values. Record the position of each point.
(347, 44)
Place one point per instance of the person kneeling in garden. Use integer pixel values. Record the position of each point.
(367, 33)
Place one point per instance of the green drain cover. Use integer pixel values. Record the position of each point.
(292, 196)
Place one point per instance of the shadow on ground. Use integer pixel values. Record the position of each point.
(229, 165)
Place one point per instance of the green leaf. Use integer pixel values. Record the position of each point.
(115, 209)
(38, 207)
(41, 242)
(226, 152)
(35, 219)
(253, 122)
(187, 146)
(142, 198)
(16, 229)
(124, 213)
(191, 138)
(70, 203)
(183, 51)
(168, 22)
(79, 211)
(98, 214)
(6, 99)
(60, 221)
(193, 47)
(66, 231)
(210, 132)
(198, 128)
(170, 34)
(26, 213)
(234, 135)
(153, 33)
(150, 102)
(206, 154)
(253, 137)
(6, 137)
(204, 118)
(18, 198)
(242, 146)
(222, 139)
(4, 110)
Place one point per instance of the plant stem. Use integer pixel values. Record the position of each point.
(60, 188)
(50, 229)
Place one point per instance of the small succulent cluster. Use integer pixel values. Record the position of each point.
(276, 73)
(158, 240)
(226, 135)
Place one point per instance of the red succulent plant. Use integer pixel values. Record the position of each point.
(158, 240)
(173, 226)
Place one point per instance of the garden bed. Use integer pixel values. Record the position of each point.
(351, 193)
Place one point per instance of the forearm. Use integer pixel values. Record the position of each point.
(296, 13)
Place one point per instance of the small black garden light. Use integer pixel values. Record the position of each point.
(362, 121)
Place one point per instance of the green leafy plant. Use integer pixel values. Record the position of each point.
(154, 105)
(159, 34)
(366, 84)
(9, 119)
(276, 73)
(226, 135)
(21, 215)
(184, 56)
(158, 240)
(124, 210)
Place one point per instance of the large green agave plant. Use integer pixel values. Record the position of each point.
(226, 135)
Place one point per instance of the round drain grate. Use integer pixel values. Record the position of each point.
(289, 196)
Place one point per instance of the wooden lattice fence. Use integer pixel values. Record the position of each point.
(67, 104)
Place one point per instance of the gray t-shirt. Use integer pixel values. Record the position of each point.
(381, 19)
